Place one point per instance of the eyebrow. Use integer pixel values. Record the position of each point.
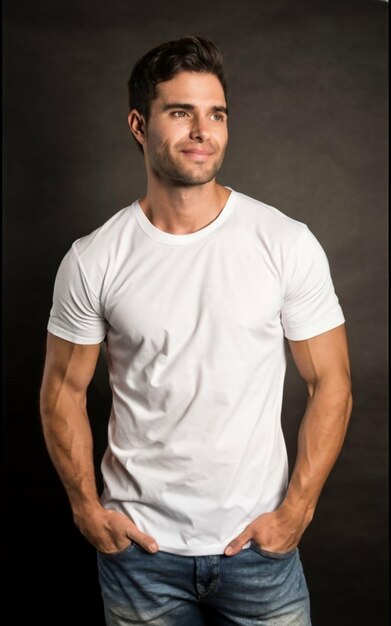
(191, 107)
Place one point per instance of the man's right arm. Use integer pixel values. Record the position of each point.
(68, 371)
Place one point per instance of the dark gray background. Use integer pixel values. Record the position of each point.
(308, 134)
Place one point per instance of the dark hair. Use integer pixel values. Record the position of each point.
(188, 54)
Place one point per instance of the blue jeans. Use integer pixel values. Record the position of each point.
(164, 589)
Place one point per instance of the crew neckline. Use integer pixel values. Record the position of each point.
(163, 237)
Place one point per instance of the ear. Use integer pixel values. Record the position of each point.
(137, 125)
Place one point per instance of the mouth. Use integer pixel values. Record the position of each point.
(196, 154)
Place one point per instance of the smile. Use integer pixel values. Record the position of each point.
(197, 154)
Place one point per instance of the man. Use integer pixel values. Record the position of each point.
(194, 289)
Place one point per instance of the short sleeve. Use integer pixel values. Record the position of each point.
(76, 312)
(310, 306)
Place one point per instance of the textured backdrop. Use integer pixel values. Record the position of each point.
(308, 134)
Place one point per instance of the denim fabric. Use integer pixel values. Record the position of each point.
(164, 589)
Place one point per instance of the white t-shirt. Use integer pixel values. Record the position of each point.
(195, 328)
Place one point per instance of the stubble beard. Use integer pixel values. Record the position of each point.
(172, 171)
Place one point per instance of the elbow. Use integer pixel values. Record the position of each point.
(343, 401)
(48, 400)
(44, 404)
(349, 405)
(347, 395)
(335, 394)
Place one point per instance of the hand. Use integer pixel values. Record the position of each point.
(110, 531)
(279, 531)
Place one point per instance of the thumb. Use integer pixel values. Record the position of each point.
(236, 544)
(145, 541)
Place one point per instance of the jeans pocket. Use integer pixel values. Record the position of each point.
(118, 553)
(272, 555)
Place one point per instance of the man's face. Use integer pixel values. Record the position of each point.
(186, 134)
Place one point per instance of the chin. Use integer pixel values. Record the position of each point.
(196, 177)
(191, 180)
(184, 175)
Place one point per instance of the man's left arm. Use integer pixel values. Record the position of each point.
(323, 362)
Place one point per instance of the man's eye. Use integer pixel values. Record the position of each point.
(179, 113)
(218, 117)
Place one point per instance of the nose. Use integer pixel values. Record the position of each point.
(199, 129)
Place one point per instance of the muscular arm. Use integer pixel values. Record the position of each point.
(68, 372)
(323, 362)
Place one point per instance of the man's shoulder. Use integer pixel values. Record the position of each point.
(107, 235)
(267, 217)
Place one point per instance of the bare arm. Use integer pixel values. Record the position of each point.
(67, 374)
(68, 371)
(323, 362)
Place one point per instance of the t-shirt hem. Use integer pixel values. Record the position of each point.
(316, 329)
(64, 334)
(208, 550)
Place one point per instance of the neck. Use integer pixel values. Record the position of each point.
(183, 210)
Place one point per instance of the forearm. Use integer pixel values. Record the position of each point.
(320, 440)
(68, 438)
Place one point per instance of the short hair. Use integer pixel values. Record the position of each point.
(188, 54)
